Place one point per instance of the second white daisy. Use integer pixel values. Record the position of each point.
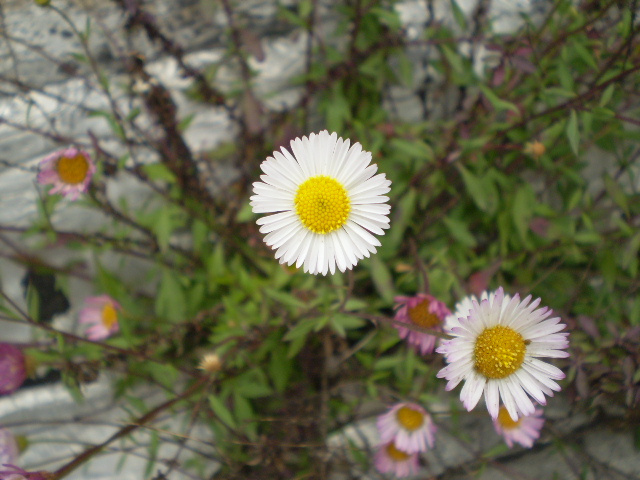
(495, 350)
(327, 203)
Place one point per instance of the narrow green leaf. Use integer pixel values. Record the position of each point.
(280, 368)
(382, 279)
(458, 15)
(33, 302)
(573, 134)
(524, 202)
(222, 412)
(606, 95)
(482, 190)
(498, 103)
(170, 302)
(460, 232)
(616, 193)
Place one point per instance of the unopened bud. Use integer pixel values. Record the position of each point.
(210, 363)
(536, 149)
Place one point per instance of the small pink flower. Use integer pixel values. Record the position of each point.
(8, 447)
(102, 313)
(389, 459)
(524, 431)
(17, 473)
(69, 171)
(408, 426)
(13, 369)
(424, 311)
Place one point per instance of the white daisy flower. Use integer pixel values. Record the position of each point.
(326, 202)
(495, 350)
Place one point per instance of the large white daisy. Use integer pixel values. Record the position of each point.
(495, 350)
(326, 202)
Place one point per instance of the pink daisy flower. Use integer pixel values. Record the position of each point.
(8, 447)
(102, 313)
(408, 426)
(389, 459)
(495, 350)
(13, 368)
(424, 311)
(524, 431)
(69, 171)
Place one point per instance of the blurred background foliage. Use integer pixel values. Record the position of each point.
(520, 170)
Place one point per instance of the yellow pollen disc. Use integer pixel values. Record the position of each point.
(72, 170)
(395, 454)
(499, 352)
(505, 420)
(410, 419)
(109, 316)
(420, 315)
(322, 204)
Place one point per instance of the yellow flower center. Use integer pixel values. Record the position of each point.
(505, 420)
(395, 454)
(499, 352)
(109, 316)
(72, 170)
(421, 316)
(410, 419)
(322, 204)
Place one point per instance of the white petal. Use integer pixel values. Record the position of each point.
(277, 221)
(492, 398)
(472, 391)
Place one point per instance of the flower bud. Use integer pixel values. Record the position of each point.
(13, 368)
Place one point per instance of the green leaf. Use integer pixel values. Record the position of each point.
(165, 374)
(222, 412)
(280, 368)
(185, 122)
(458, 15)
(170, 301)
(388, 17)
(482, 190)
(454, 59)
(114, 124)
(405, 67)
(630, 255)
(341, 323)
(413, 148)
(382, 279)
(606, 95)
(616, 193)
(498, 103)
(459, 231)
(301, 329)
(33, 302)
(573, 134)
(163, 226)
(159, 171)
(584, 54)
(284, 298)
(304, 8)
(587, 238)
(152, 453)
(524, 203)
